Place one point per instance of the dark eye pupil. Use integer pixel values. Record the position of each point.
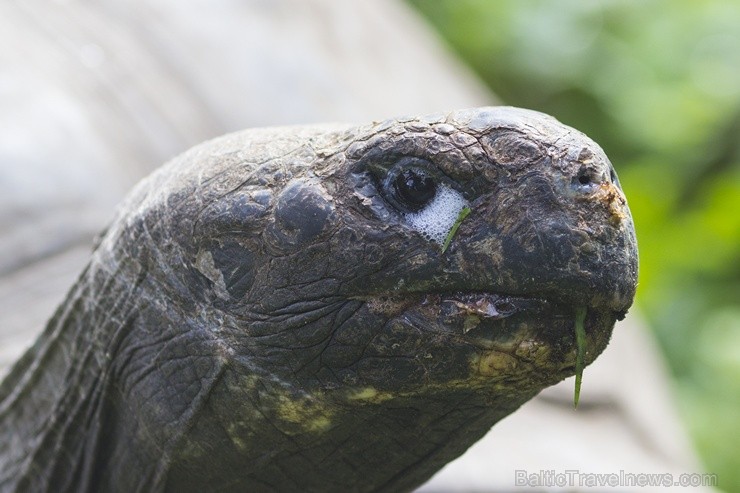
(414, 189)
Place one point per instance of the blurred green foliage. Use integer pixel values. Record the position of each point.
(657, 84)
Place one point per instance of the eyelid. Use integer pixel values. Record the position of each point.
(426, 167)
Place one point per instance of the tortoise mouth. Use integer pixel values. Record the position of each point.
(485, 318)
(495, 321)
(480, 340)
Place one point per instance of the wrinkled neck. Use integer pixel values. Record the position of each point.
(52, 402)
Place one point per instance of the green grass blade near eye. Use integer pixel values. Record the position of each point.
(460, 217)
(580, 350)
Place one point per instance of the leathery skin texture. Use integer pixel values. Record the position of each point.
(273, 310)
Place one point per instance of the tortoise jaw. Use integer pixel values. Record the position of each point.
(483, 341)
(470, 312)
(492, 320)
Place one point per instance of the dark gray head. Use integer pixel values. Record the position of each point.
(281, 310)
(266, 235)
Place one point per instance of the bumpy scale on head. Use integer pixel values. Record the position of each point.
(436, 219)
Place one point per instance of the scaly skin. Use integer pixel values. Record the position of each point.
(260, 316)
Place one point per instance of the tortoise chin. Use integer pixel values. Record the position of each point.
(490, 343)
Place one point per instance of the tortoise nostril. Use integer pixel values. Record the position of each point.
(586, 179)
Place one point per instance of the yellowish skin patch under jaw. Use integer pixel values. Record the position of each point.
(370, 395)
(493, 363)
(310, 414)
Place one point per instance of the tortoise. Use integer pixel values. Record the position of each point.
(305, 308)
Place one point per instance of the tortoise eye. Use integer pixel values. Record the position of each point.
(413, 189)
(425, 199)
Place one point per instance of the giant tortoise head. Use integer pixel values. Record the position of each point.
(331, 308)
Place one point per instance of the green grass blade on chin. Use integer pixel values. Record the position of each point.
(580, 350)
